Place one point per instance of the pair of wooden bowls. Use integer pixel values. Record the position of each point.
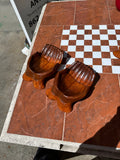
(70, 84)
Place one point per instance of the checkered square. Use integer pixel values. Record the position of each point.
(93, 45)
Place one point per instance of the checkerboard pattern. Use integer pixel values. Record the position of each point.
(93, 45)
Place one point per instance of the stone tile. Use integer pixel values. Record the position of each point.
(105, 55)
(113, 48)
(87, 54)
(47, 34)
(104, 42)
(92, 16)
(57, 14)
(57, 8)
(97, 61)
(115, 16)
(89, 12)
(95, 117)
(35, 115)
(107, 69)
(115, 62)
(111, 4)
(81, 5)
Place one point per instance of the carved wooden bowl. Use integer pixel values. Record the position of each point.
(42, 65)
(71, 85)
(117, 53)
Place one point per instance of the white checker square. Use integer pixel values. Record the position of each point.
(118, 37)
(103, 37)
(98, 68)
(112, 55)
(66, 32)
(71, 48)
(88, 61)
(95, 31)
(64, 42)
(97, 55)
(79, 42)
(88, 48)
(113, 42)
(111, 31)
(116, 69)
(73, 27)
(88, 27)
(103, 27)
(73, 37)
(96, 42)
(117, 27)
(88, 37)
(79, 55)
(105, 49)
(71, 60)
(106, 61)
(80, 32)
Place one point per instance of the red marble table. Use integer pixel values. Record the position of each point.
(94, 124)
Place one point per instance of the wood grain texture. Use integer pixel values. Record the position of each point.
(117, 53)
(71, 85)
(42, 65)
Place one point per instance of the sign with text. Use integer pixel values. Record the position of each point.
(28, 12)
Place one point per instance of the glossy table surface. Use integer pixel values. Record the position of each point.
(94, 123)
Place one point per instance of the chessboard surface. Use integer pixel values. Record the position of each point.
(93, 45)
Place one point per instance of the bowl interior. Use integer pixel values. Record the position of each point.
(68, 85)
(40, 64)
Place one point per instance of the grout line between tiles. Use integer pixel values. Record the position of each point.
(63, 132)
(74, 14)
(108, 11)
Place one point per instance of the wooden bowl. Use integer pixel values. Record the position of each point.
(42, 65)
(71, 85)
(117, 53)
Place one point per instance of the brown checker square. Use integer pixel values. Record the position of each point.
(72, 54)
(115, 62)
(79, 48)
(73, 31)
(95, 26)
(110, 26)
(117, 31)
(67, 27)
(88, 31)
(64, 48)
(96, 48)
(113, 48)
(72, 42)
(105, 54)
(95, 37)
(97, 61)
(87, 54)
(107, 69)
(112, 37)
(103, 31)
(80, 26)
(87, 42)
(119, 42)
(65, 37)
(79, 37)
(79, 59)
(104, 42)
